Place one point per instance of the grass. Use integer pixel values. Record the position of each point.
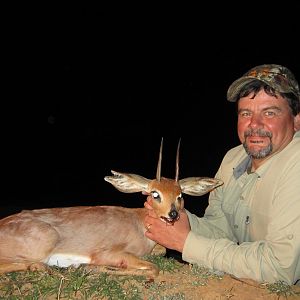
(70, 283)
(281, 288)
(78, 283)
(164, 264)
(202, 275)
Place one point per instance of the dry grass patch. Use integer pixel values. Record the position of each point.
(176, 281)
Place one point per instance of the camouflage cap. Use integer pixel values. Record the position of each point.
(280, 78)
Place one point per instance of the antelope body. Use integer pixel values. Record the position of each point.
(102, 238)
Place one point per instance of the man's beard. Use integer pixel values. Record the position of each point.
(262, 153)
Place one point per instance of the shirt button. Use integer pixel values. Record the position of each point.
(290, 236)
(235, 226)
(241, 197)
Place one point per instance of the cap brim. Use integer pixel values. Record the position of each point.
(236, 87)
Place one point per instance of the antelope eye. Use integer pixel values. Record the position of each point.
(155, 196)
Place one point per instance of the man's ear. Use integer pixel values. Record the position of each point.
(297, 122)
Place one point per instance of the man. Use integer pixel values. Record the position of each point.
(251, 227)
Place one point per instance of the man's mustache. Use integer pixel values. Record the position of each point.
(257, 132)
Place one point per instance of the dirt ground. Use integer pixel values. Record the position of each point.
(184, 282)
(193, 286)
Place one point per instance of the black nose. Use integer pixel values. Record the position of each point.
(173, 214)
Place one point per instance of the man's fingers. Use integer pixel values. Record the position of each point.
(148, 206)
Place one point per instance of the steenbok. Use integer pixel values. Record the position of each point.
(101, 238)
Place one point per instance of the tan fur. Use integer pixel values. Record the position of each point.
(101, 238)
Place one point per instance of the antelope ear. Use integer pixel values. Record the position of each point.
(198, 186)
(128, 183)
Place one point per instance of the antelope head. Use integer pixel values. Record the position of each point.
(166, 195)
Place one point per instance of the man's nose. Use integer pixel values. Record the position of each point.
(256, 121)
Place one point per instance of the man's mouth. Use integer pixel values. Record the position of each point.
(253, 140)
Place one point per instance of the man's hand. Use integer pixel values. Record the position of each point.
(171, 236)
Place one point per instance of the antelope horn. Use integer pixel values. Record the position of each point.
(177, 162)
(158, 171)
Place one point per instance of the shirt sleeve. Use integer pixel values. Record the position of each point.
(211, 242)
(214, 223)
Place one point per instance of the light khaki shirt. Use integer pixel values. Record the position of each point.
(251, 227)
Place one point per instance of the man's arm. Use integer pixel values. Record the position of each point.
(273, 258)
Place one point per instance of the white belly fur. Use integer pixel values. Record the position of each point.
(66, 260)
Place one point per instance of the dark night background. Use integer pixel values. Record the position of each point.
(114, 87)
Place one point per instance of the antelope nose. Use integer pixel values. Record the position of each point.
(173, 214)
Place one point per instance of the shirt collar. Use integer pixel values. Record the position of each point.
(242, 167)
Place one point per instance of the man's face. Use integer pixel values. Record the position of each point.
(265, 124)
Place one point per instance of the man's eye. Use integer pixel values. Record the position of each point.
(270, 113)
(245, 114)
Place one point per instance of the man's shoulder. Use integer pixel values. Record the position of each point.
(292, 151)
(237, 151)
(234, 156)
